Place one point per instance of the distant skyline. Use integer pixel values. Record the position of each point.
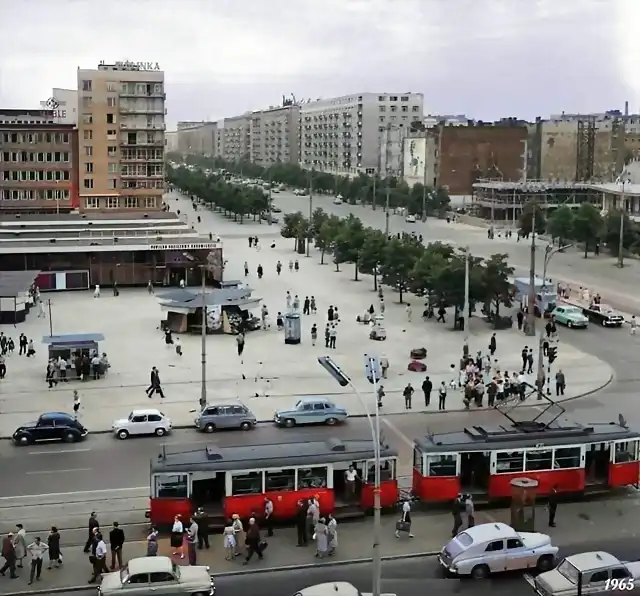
(484, 58)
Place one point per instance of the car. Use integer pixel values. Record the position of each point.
(571, 316)
(300, 192)
(601, 314)
(142, 422)
(311, 410)
(338, 200)
(496, 547)
(158, 575)
(51, 426)
(410, 219)
(233, 415)
(597, 568)
(275, 209)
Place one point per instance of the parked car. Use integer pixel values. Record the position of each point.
(338, 200)
(158, 575)
(52, 426)
(311, 410)
(226, 415)
(600, 572)
(410, 219)
(275, 209)
(142, 422)
(494, 548)
(571, 316)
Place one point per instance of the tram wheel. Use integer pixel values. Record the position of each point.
(480, 572)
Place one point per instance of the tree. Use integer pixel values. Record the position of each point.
(295, 226)
(318, 217)
(426, 272)
(611, 231)
(348, 242)
(587, 226)
(526, 224)
(560, 224)
(372, 253)
(399, 258)
(327, 234)
(497, 287)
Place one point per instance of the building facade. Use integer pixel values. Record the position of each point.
(343, 135)
(38, 163)
(237, 138)
(171, 141)
(274, 135)
(420, 157)
(64, 104)
(121, 133)
(199, 139)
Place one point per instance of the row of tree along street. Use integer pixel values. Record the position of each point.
(363, 189)
(584, 225)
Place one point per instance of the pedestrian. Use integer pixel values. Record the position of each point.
(239, 533)
(524, 355)
(279, 322)
(442, 311)
(404, 524)
(290, 266)
(253, 542)
(31, 351)
(41, 314)
(332, 534)
(380, 395)
(333, 333)
(520, 319)
(178, 346)
(268, 516)
(155, 385)
(409, 312)
(116, 542)
(493, 345)
(152, 542)
(192, 540)
(99, 559)
(442, 396)
(427, 388)
(561, 383)
(278, 267)
(321, 537)
(288, 298)
(22, 342)
(314, 334)
(296, 265)
(553, 506)
(53, 542)
(150, 287)
(36, 549)
(94, 525)
(633, 324)
(312, 305)
(350, 477)
(530, 361)
(306, 310)
(407, 394)
(177, 537)
(327, 336)
(229, 541)
(3, 367)
(240, 343)
(313, 516)
(260, 271)
(301, 523)
(76, 404)
(202, 519)
(246, 269)
(456, 509)
(116, 292)
(296, 303)
(470, 511)
(96, 291)
(250, 241)
(9, 554)
(330, 314)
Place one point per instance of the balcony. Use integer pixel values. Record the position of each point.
(141, 126)
(159, 94)
(147, 143)
(141, 110)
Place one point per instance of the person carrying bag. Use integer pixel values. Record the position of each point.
(404, 523)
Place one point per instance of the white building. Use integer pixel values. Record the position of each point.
(274, 135)
(343, 135)
(64, 103)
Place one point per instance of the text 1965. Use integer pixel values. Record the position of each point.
(625, 583)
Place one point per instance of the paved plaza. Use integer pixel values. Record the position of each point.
(275, 373)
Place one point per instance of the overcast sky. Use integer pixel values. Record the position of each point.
(484, 58)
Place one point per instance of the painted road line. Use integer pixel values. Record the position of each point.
(35, 473)
(103, 491)
(48, 452)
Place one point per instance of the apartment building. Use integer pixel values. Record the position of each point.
(274, 135)
(198, 139)
(236, 138)
(171, 141)
(121, 128)
(343, 135)
(38, 165)
(64, 104)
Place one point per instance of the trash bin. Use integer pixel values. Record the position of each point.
(292, 328)
(523, 504)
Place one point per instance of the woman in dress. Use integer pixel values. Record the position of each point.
(20, 544)
(238, 532)
(229, 541)
(321, 537)
(152, 543)
(53, 542)
(332, 534)
(177, 537)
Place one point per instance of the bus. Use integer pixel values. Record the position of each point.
(236, 479)
(570, 457)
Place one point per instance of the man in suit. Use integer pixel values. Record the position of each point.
(154, 385)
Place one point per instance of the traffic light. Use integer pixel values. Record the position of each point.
(553, 353)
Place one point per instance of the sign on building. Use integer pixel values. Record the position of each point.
(129, 65)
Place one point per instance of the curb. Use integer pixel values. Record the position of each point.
(344, 563)
(599, 387)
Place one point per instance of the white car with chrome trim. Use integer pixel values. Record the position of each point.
(142, 422)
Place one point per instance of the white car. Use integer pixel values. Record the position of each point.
(495, 548)
(338, 200)
(410, 219)
(142, 422)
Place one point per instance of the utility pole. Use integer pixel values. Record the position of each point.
(388, 175)
(531, 306)
(424, 180)
(467, 307)
(622, 213)
(310, 208)
(270, 197)
(203, 361)
(377, 172)
(50, 318)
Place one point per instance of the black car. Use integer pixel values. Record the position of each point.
(52, 426)
(603, 315)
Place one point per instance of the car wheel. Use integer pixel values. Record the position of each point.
(331, 421)
(246, 426)
(603, 323)
(68, 437)
(123, 434)
(545, 563)
(209, 428)
(289, 422)
(480, 572)
(160, 432)
(23, 440)
(200, 594)
(569, 324)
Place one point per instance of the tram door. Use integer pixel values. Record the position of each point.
(475, 470)
(340, 471)
(597, 460)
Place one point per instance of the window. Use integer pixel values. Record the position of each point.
(86, 101)
(464, 539)
(246, 484)
(88, 135)
(415, 108)
(404, 98)
(172, 486)
(566, 457)
(86, 85)
(113, 202)
(315, 477)
(319, 407)
(494, 546)
(382, 108)
(626, 451)
(417, 459)
(507, 462)
(110, 119)
(88, 150)
(139, 418)
(87, 183)
(112, 183)
(279, 480)
(514, 543)
(87, 118)
(111, 102)
(111, 151)
(405, 108)
(91, 203)
(45, 422)
(381, 98)
(539, 460)
(132, 203)
(112, 168)
(599, 577)
(161, 576)
(393, 98)
(149, 202)
(111, 87)
(441, 465)
(619, 573)
(88, 167)
(139, 578)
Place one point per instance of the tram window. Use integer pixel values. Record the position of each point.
(172, 487)
(387, 470)
(539, 460)
(566, 457)
(312, 477)
(417, 459)
(279, 480)
(246, 484)
(512, 461)
(626, 452)
(441, 465)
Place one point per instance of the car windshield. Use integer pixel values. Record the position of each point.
(459, 544)
(569, 571)
(130, 416)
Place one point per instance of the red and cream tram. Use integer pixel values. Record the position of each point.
(236, 479)
(483, 461)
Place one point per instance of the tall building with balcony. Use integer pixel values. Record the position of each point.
(38, 165)
(342, 135)
(236, 138)
(274, 135)
(121, 128)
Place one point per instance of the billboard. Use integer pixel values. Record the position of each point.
(414, 166)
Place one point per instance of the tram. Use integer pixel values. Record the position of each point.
(482, 461)
(236, 479)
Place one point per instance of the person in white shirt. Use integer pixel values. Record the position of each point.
(268, 516)
(36, 549)
(99, 560)
(633, 324)
(405, 520)
(177, 537)
(96, 291)
(350, 477)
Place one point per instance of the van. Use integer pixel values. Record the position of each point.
(234, 415)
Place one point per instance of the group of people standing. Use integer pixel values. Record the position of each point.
(16, 548)
(311, 525)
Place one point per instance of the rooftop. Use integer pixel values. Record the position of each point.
(531, 185)
(80, 218)
(617, 189)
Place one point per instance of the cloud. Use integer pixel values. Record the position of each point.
(486, 58)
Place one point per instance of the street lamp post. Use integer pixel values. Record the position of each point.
(203, 361)
(270, 197)
(531, 306)
(465, 314)
(622, 181)
(372, 366)
(310, 208)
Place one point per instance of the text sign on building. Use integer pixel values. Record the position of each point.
(128, 65)
(190, 246)
(54, 105)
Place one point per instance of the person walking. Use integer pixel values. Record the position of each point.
(99, 559)
(229, 541)
(76, 404)
(404, 525)
(332, 534)
(20, 544)
(268, 516)
(470, 511)
(442, 396)
(553, 506)
(314, 334)
(53, 542)
(155, 386)
(94, 525)
(408, 395)
(456, 509)
(253, 542)
(116, 541)
(240, 339)
(320, 534)
(9, 554)
(36, 549)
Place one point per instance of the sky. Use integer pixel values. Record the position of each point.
(483, 58)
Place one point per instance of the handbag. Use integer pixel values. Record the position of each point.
(402, 526)
(263, 545)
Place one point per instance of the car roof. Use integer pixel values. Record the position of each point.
(222, 404)
(56, 415)
(309, 399)
(149, 565)
(593, 560)
(146, 412)
(330, 589)
(490, 531)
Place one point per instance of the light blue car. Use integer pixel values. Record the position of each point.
(311, 410)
